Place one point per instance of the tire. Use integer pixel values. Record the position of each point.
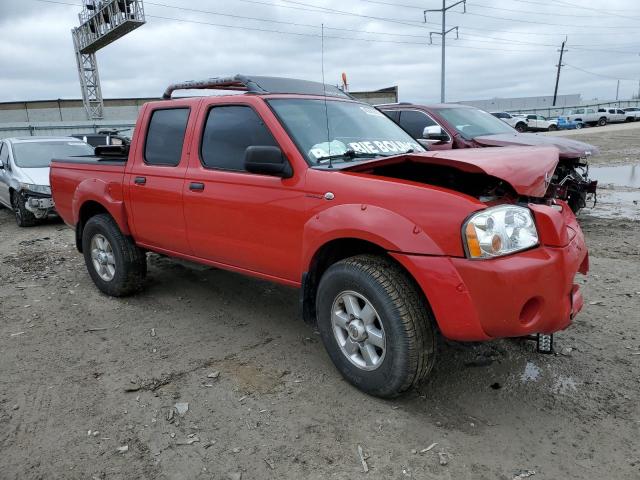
(521, 127)
(579, 125)
(553, 128)
(602, 122)
(402, 328)
(24, 218)
(116, 265)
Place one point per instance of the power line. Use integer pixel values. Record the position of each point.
(600, 74)
(618, 27)
(519, 42)
(554, 14)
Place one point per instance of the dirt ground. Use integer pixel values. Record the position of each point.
(82, 375)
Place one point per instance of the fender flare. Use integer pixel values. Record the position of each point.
(100, 192)
(384, 228)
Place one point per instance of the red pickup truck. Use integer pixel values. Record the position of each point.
(297, 183)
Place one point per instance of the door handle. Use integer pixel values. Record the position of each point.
(196, 186)
(140, 180)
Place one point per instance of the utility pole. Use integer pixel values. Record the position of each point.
(555, 92)
(617, 90)
(443, 33)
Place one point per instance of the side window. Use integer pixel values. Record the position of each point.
(532, 117)
(227, 134)
(392, 114)
(590, 110)
(165, 136)
(414, 122)
(4, 154)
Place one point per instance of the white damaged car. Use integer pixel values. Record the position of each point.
(24, 173)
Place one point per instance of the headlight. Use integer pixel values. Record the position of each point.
(43, 189)
(499, 231)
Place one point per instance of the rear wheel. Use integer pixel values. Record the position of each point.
(116, 265)
(602, 122)
(579, 125)
(375, 325)
(553, 127)
(521, 127)
(24, 218)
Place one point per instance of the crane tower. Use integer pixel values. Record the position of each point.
(101, 23)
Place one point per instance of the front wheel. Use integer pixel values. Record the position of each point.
(579, 125)
(553, 127)
(24, 218)
(521, 127)
(375, 325)
(602, 122)
(116, 265)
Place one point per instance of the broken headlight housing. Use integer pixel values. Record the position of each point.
(41, 189)
(499, 231)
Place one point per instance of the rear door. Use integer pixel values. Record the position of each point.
(247, 221)
(155, 177)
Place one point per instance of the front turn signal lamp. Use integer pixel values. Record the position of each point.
(499, 231)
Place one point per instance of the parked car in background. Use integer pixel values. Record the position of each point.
(453, 126)
(517, 122)
(614, 115)
(633, 113)
(104, 137)
(540, 123)
(587, 116)
(384, 240)
(565, 124)
(24, 174)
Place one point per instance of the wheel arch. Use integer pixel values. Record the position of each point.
(329, 253)
(88, 209)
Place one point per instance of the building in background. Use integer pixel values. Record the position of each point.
(69, 117)
(524, 103)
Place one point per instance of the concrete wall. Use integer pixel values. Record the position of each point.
(523, 103)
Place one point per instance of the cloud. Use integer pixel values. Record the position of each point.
(37, 61)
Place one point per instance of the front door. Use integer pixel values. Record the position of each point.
(247, 221)
(156, 179)
(415, 121)
(4, 174)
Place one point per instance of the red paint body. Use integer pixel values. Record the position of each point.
(272, 228)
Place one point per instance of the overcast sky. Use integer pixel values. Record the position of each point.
(506, 48)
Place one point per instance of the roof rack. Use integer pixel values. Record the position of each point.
(259, 85)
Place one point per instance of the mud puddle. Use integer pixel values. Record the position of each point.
(618, 192)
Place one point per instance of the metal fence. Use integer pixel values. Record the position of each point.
(559, 111)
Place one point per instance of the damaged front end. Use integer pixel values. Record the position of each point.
(37, 199)
(572, 184)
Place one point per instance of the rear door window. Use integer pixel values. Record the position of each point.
(165, 137)
(227, 134)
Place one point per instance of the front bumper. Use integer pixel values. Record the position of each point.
(39, 204)
(513, 296)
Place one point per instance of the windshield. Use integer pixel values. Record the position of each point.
(471, 122)
(39, 154)
(354, 130)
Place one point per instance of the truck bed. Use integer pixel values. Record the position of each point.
(97, 178)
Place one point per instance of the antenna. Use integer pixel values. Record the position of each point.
(326, 108)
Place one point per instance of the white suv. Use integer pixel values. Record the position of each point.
(519, 123)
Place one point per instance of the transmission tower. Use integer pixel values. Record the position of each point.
(101, 22)
(443, 34)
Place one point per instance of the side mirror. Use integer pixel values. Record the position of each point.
(267, 160)
(434, 132)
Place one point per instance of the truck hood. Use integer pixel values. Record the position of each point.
(527, 169)
(35, 176)
(567, 148)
